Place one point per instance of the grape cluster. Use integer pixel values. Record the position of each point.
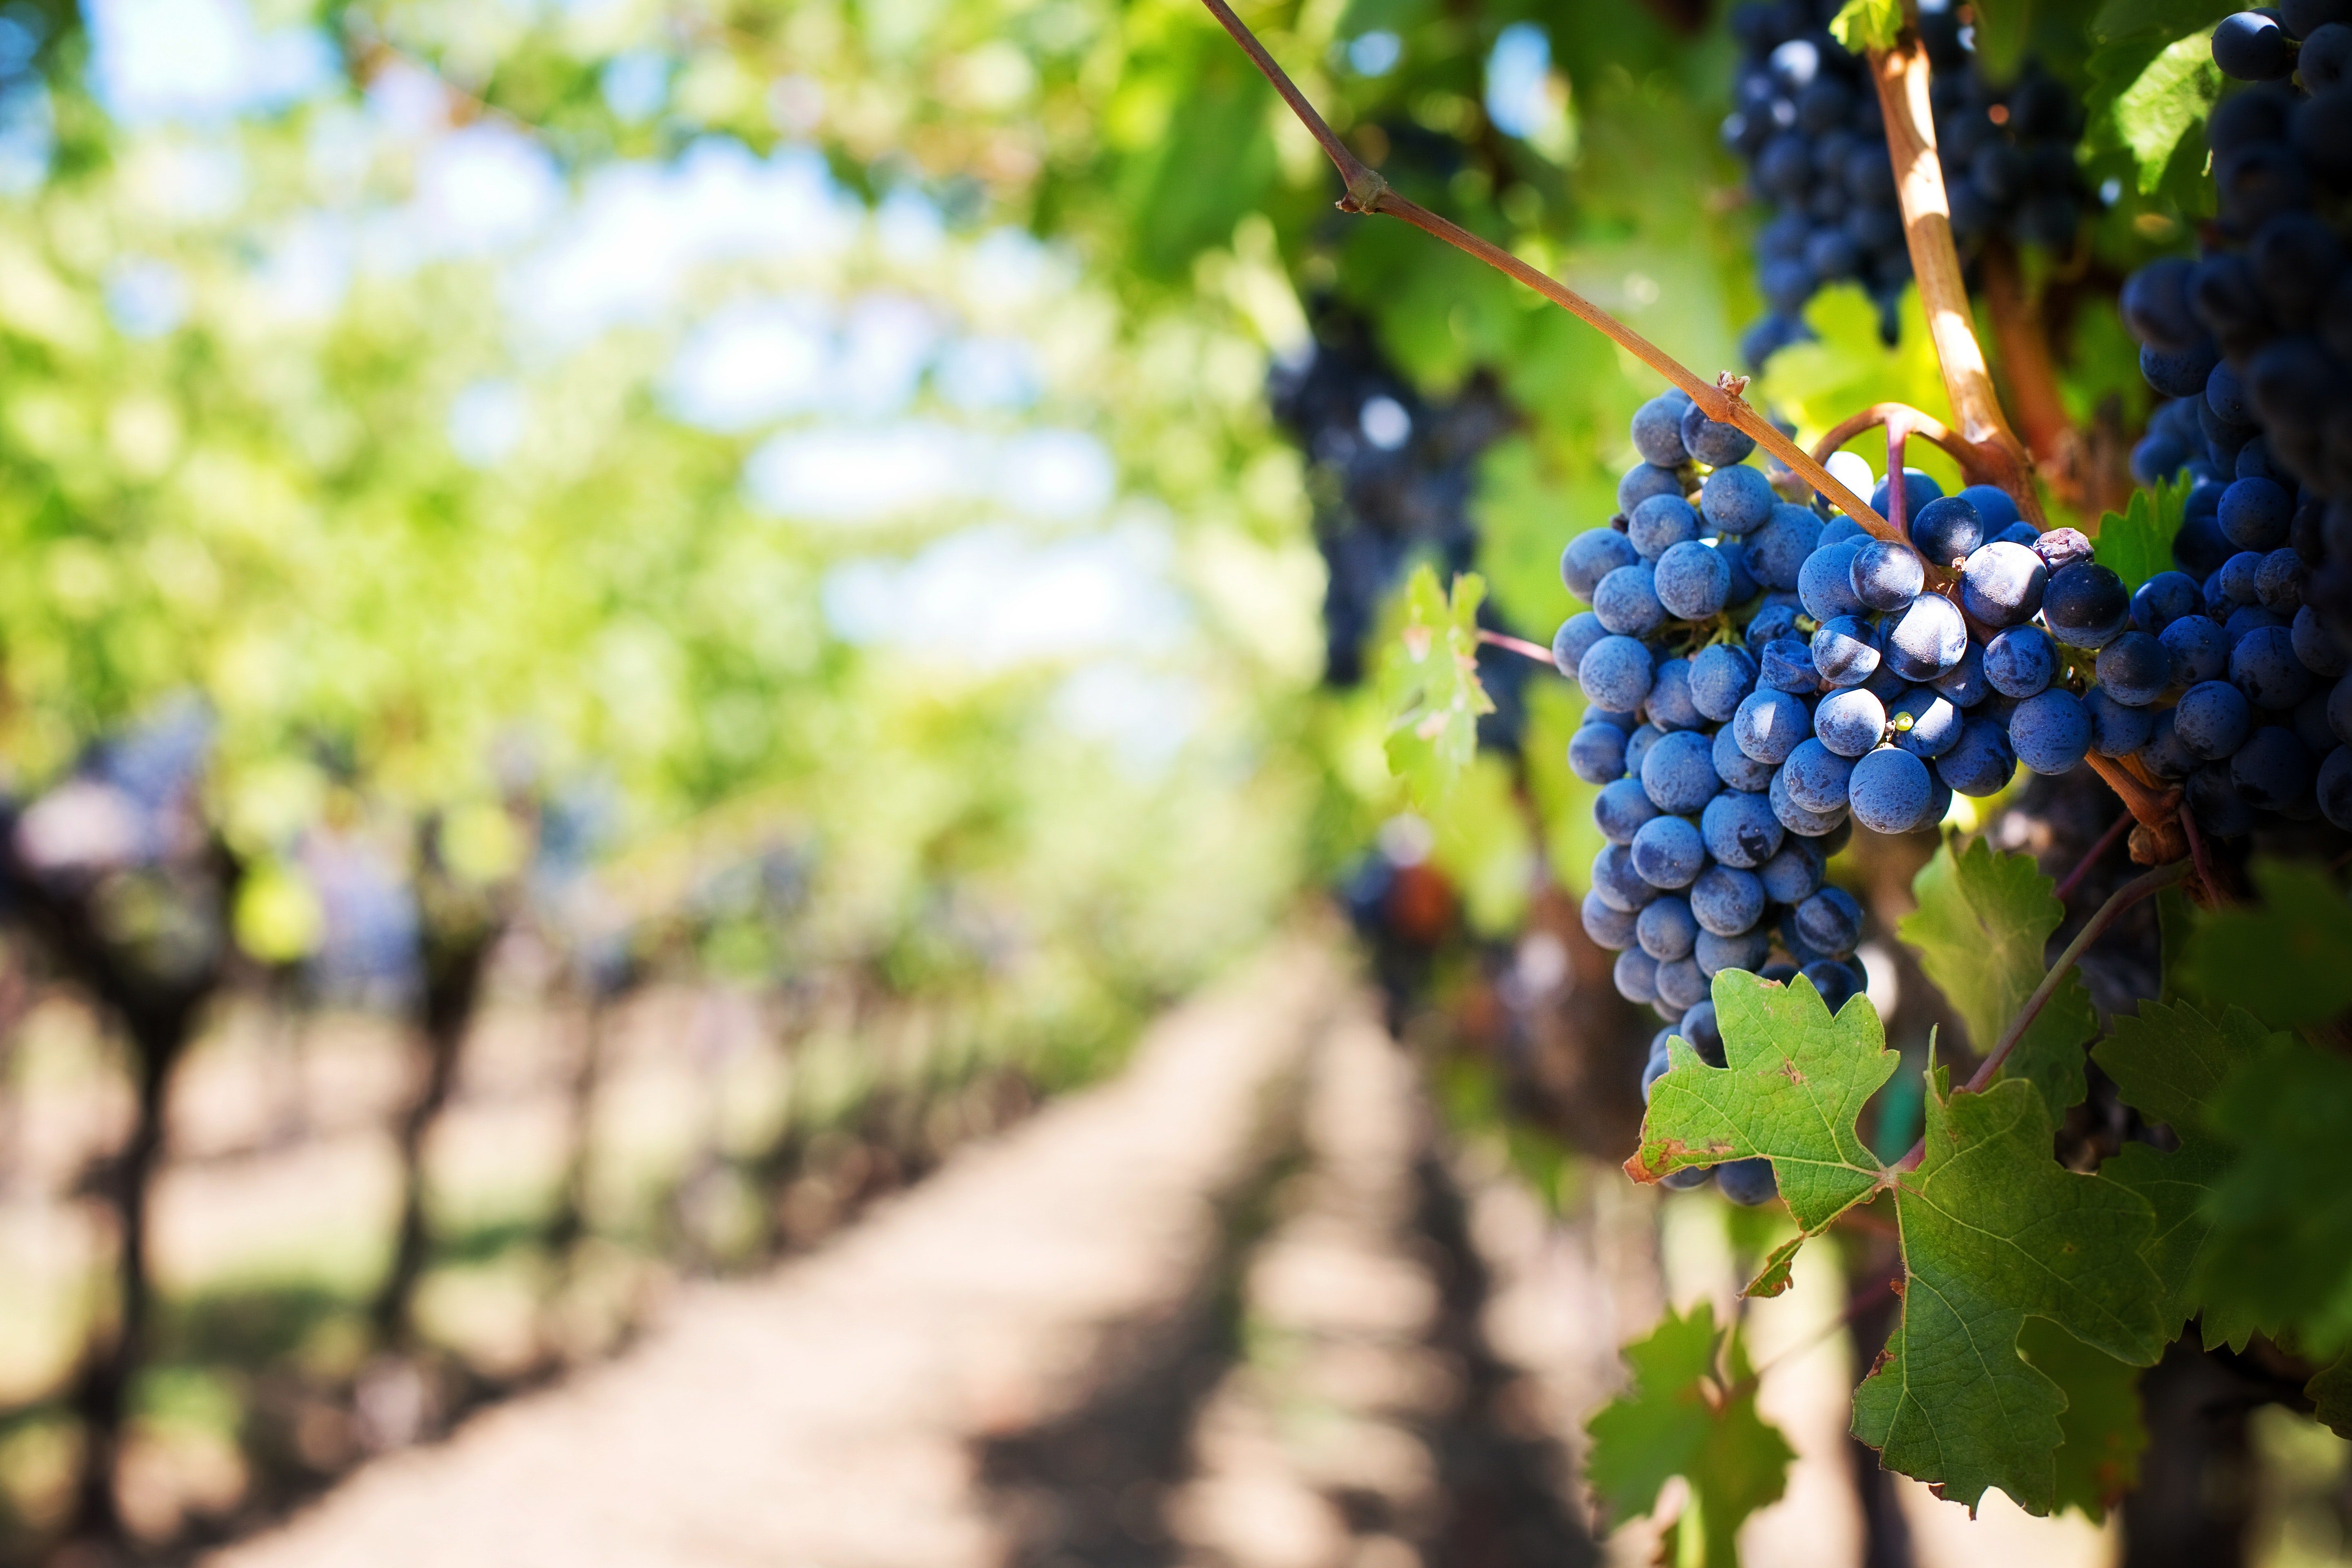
(1806, 123)
(1760, 677)
(1390, 473)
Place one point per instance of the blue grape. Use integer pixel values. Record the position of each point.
(2214, 799)
(2311, 726)
(1636, 974)
(1964, 685)
(1774, 619)
(1670, 706)
(1889, 789)
(1850, 722)
(1927, 723)
(1831, 921)
(1825, 583)
(2239, 582)
(1886, 576)
(2023, 534)
(1658, 430)
(1769, 724)
(1815, 777)
(1733, 552)
(1659, 1062)
(1717, 954)
(1843, 529)
(2198, 649)
(2264, 667)
(1738, 500)
(2255, 513)
(1748, 1182)
(1609, 927)
(1777, 550)
(1660, 523)
(2086, 605)
(2163, 599)
(1993, 505)
(1617, 884)
(1687, 1178)
(1946, 531)
(1788, 666)
(1693, 580)
(1638, 744)
(1620, 808)
(2319, 648)
(2334, 787)
(2021, 661)
(2177, 375)
(1641, 481)
(1680, 985)
(1665, 929)
(1886, 682)
(1926, 639)
(2118, 729)
(2247, 619)
(1735, 767)
(2050, 732)
(2212, 719)
(1982, 760)
(2279, 585)
(1617, 672)
(1918, 490)
(1596, 754)
(2133, 669)
(1574, 640)
(1702, 1032)
(1726, 901)
(1624, 723)
(1592, 555)
(1836, 982)
(1627, 600)
(2252, 46)
(1717, 446)
(1719, 677)
(1791, 876)
(2164, 755)
(1668, 853)
(2271, 770)
(1679, 774)
(1739, 829)
(2001, 584)
(1796, 819)
(1846, 651)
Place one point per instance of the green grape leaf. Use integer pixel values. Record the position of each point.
(2149, 97)
(2288, 960)
(2280, 1252)
(1429, 681)
(1868, 24)
(1993, 1231)
(2137, 544)
(1794, 1081)
(1687, 1415)
(2331, 1396)
(2099, 1461)
(1983, 923)
(2002, 26)
(2169, 1063)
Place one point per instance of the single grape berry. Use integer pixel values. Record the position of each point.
(1924, 722)
(1666, 930)
(1693, 580)
(1660, 523)
(1717, 446)
(1610, 929)
(1720, 676)
(2252, 46)
(1965, 684)
(1768, 725)
(1717, 954)
(1681, 987)
(1596, 754)
(1947, 530)
(2001, 584)
(2199, 649)
(1669, 707)
(2060, 548)
(2134, 670)
(1886, 576)
(1982, 760)
(1738, 500)
(1788, 666)
(2021, 661)
(1925, 639)
(2271, 770)
(1825, 583)
(2116, 730)
(1668, 853)
(1836, 982)
(2254, 514)
(1627, 600)
(2163, 599)
(1574, 640)
(1641, 481)
(1777, 550)
(1790, 876)
(1659, 1062)
(1850, 721)
(1830, 922)
(2051, 732)
(1815, 777)
(1658, 431)
(1617, 672)
(2317, 646)
(1726, 901)
(1620, 808)
(1918, 490)
(2086, 605)
(1796, 819)
(1889, 790)
(1748, 1182)
(1739, 829)
(1636, 974)
(2211, 719)
(1735, 767)
(1679, 774)
(1846, 651)
(2264, 667)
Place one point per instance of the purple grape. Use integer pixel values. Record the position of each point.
(2049, 731)
(1592, 555)
(2021, 661)
(1889, 790)
(1665, 929)
(2001, 584)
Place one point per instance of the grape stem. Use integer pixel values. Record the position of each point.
(2159, 840)
(1720, 400)
(2143, 886)
(1520, 646)
(2083, 470)
(2116, 830)
(1901, 74)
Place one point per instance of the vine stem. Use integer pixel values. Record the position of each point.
(1520, 646)
(2116, 830)
(1901, 75)
(1721, 400)
(2159, 840)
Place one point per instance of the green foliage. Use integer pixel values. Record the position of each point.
(1980, 928)
(1994, 1231)
(1691, 1412)
(1868, 24)
(1525, 515)
(2330, 1393)
(2287, 960)
(2280, 1254)
(1429, 685)
(1848, 366)
(2137, 543)
(1484, 846)
(2098, 1462)
(2002, 28)
(2152, 83)
(2170, 1062)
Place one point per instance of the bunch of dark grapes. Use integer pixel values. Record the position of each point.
(2252, 341)
(1760, 677)
(1391, 475)
(1806, 121)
